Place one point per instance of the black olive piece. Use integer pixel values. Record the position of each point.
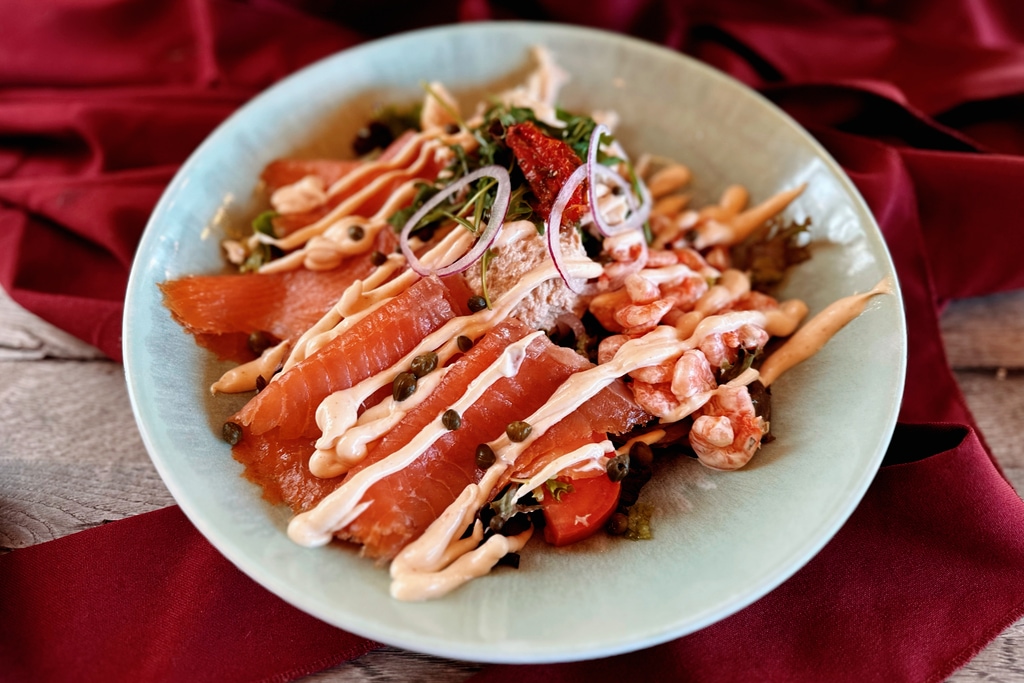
(618, 467)
(486, 515)
(404, 386)
(451, 420)
(356, 232)
(378, 258)
(538, 520)
(464, 343)
(508, 560)
(629, 491)
(260, 341)
(516, 525)
(477, 303)
(423, 364)
(617, 524)
(640, 453)
(518, 431)
(231, 432)
(374, 135)
(484, 456)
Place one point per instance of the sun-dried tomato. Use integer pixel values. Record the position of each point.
(547, 163)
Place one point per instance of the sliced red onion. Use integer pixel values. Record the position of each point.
(572, 322)
(553, 232)
(486, 238)
(638, 212)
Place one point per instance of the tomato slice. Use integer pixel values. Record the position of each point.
(581, 512)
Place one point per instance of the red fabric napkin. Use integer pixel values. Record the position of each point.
(919, 101)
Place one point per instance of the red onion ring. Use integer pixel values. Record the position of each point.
(553, 232)
(638, 212)
(486, 238)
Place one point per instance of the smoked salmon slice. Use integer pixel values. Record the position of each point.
(281, 172)
(386, 177)
(221, 311)
(372, 345)
(406, 502)
(283, 304)
(281, 468)
(611, 411)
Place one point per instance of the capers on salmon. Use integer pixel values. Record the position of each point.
(356, 232)
(378, 258)
(451, 419)
(404, 386)
(423, 364)
(618, 467)
(231, 432)
(464, 343)
(518, 431)
(476, 303)
(484, 456)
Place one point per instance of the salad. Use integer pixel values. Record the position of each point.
(492, 325)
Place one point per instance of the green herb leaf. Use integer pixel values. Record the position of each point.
(558, 488)
(264, 223)
(639, 525)
(485, 261)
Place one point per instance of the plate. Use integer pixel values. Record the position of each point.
(722, 540)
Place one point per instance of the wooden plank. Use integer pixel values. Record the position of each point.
(985, 332)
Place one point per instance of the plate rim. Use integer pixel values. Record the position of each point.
(429, 644)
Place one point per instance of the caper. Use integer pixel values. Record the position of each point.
(452, 128)
(356, 232)
(231, 432)
(618, 467)
(641, 454)
(260, 341)
(518, 431)
(404, 386)
(378, 258)
(451, 419)
(477, 303)
(617, 524)
(464, 342)
(484, 456)
(424, 363)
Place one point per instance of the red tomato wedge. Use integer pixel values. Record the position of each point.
(581, 512)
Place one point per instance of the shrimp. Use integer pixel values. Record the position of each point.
(656, 399)
(691, 375)
(722, 349)
(726, 433)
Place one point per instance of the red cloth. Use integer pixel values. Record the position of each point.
(920, 101)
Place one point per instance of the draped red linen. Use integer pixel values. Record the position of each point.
(922, 102)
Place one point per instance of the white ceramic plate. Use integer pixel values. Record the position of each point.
(722, 540)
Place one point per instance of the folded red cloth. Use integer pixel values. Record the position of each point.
(100, 102)
(148, 599)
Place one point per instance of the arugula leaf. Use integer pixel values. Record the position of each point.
(558, 488)
(264, 223)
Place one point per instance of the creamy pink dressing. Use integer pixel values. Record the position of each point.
(809, 339)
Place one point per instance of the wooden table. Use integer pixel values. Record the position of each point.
(71, 457)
